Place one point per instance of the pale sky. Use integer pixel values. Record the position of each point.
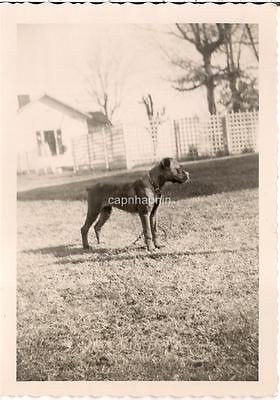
(53, 59)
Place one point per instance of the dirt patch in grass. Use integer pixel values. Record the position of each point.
(187, 312)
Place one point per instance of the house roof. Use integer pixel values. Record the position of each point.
(60, 102)
(94, 118)
(97, 118)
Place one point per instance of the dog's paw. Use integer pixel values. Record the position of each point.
(150, 245)
(87, 248)
(159, 245)
(151, 249)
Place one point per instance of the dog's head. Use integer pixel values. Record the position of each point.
(172, 171)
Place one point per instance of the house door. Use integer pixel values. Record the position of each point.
(50, 139)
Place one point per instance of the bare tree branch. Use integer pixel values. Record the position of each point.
(252, 41)
(188, 89)
(184, 34)
(105, 82)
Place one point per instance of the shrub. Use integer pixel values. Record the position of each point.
(248, 150)
(222, 152)
(193, 153)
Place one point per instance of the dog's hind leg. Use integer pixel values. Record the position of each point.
(145, 219)
(103, 217)
(91, 217)
(153, 223)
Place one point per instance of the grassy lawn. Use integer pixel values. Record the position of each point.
(187, 312)
(208, 177)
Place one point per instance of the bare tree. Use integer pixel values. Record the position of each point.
(105, 80)
(155, 119)
(236, 80)
(149, 106)
(206, 39)
(220, 47)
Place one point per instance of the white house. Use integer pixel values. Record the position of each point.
(45, 129)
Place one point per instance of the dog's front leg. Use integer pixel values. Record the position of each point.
(145, 219)
(153, 223)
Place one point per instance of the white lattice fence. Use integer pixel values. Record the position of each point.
(141, 148)
(198, 136)
(101, 149)
(139, 145)
(242, 131)
(187, 135)
(211, 136)
(115, 146)
(190, 138)
(233, 132)
(130, 145)
(89, 151)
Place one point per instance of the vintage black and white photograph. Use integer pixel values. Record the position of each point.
(137, 202)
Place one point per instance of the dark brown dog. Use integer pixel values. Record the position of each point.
(142, 197)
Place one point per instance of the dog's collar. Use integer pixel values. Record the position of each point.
(154, 186)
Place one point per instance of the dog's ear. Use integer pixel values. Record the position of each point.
(165, 163)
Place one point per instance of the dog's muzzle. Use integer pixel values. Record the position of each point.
(185, 177)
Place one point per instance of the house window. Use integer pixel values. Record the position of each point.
(61, 147)
(39, 142)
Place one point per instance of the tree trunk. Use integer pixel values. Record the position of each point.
(105, 108)
(232, 73)
(210, 87)
(210, 84)
(234, 95)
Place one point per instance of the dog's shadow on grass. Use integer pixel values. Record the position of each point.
(64, 251)
(59, 251)
(103, 254)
